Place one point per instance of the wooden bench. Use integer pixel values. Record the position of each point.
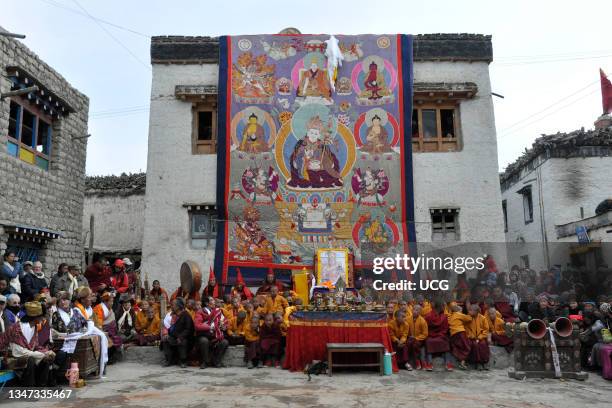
(377, 348)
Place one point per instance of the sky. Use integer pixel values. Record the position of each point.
(547, 55)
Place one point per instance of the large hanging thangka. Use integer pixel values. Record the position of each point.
(310, 159)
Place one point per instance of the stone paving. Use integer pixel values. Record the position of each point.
(140, 381)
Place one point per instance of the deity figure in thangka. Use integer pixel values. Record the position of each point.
(253, 137)
(314, 81)
(370, 186)
(252, 243)
(261, 185)
(313, 163)
(374, 83)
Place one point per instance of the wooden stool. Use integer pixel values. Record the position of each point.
(355, 348)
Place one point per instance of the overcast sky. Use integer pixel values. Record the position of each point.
(547, 54)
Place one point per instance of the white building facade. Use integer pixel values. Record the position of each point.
(456, 187)
(553, 188)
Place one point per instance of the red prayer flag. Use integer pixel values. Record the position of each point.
(606, 92)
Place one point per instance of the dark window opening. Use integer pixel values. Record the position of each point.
(505, 211)
(415, 123)
(14, 120)
(42, 139)
(430, 123)
(205, 125)
(447, 119)
(27, 128)
(203, 229)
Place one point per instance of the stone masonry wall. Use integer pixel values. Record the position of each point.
(31, 196)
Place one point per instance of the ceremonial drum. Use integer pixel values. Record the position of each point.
(191, 277)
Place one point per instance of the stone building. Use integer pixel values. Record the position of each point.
(553, 188)
(43, 144)
(117, 206)
(457, 195)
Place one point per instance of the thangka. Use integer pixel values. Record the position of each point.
(302, 164)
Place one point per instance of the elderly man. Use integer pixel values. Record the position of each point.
(70, 282)
(13, 305)
(33, 282)
(179, 337)
(23, 344)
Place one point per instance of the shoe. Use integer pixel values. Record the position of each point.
(449, 367)
(183, 365)
(462, 365)
(203, 366)
(408, 366)
(485, 366)
(277, 364)
(268, 363)
(429, 367)
(479, 367)
(250, 365)
(418, 365)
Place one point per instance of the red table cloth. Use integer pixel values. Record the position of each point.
(309, 333)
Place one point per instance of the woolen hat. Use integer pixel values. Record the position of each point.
(33, 309)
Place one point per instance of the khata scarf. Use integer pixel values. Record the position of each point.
(126, 314)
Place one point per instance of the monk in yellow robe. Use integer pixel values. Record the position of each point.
(497, 331)
(148, 326)
(478, 332)
(275, 302)
(252, 353)
(236, 327)
(399, 330)
(460, 344)
(420, 332)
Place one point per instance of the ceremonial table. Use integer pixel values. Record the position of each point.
(309, 333)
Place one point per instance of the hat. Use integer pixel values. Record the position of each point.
(127, 261)
(41, 297)
(119, 263)
(125, 298)
(28, 263)
(33, 309)
(2, 298)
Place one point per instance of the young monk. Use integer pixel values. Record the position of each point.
(416, 343)
(497, 331)
(275, 302)
(270, 341)
(478, 332)
(399, 330)
(460, 344)
(390, 311)
(249, 309)
(149, 332)
(437, 340)
(425, 305)
(235, 329)
(251, 342)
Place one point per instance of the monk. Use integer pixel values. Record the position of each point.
(251, 343)
(157, 293)
(460, 345)
(419, 335)
(235, 328)
(275, 302)
(425, 305)
(249, 309)
(212, 289)
(437, 340)
(399, 330)
(498, 332)
(240, 289)
(270, 341)
(268, 284)
(478, 332)
(149, 332)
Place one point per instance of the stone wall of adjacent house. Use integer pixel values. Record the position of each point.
(34, 197)
(118, 222)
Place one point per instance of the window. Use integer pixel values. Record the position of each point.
(505, 211)
(435, 128)
(203, 229)
(29, 135)
(527, 203)
(444, 224)
(205, 128)
(525, 261)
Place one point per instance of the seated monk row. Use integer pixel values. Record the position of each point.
(445, 331)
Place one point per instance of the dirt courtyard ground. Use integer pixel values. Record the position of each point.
(134, 384)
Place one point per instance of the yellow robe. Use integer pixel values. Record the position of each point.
(457, 322)
(278, 304)
(420, 328)
(497, 326)
(477, 329)
(399, 332)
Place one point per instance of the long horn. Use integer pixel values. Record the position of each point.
(563, 327)
(536, 329)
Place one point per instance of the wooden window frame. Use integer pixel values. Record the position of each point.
(442, 144)
(39, 116)
(527, 201)
(204, 146)
(208, 235)
(443, 212)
